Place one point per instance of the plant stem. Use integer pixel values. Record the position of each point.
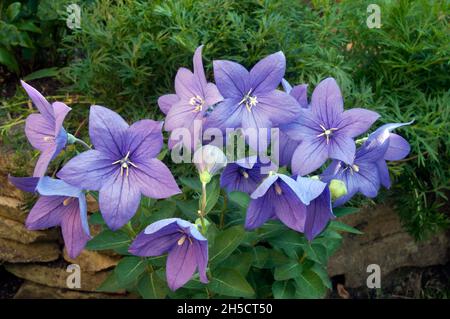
(224, 208)
(86, 145)
(202, 211)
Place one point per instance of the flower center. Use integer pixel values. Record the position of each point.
(249, 100)
(327, 132)
(183, 239)
(124, 162)
(353, 168)
(67, 201)
(244, 173)
(197, 102)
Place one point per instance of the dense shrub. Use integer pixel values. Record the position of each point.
(127, 52)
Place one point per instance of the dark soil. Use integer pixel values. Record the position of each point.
(9, 284)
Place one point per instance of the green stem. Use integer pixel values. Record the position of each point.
(224, 208)
(202, 211)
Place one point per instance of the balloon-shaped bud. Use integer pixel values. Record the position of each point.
(337, 188)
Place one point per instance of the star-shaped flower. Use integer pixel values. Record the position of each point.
(326, 130)
(187, 249)
(243, 175)
(122, 166)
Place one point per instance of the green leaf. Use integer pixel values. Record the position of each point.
(13, 11)
(321, 271)
(240, 262)
(188, 207)
(316, 252)
(96, 219)
(339, 226)
(129, 269)
(8, 60)
(342, 211)
(212, 194)
(239, 198)
(229, 282)
(192, 183)
(288, 271)
(28, 26)
(225, 243)
(283, 290)
(110, 284)
(309, 285)
(108, 239)
(150, 286)
(42, 73)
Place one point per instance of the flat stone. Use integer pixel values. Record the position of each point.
(92, 261)
(11, 229)
(11, 208)
(15, 252)
(56, 276)
(384, 243)
(32, 290)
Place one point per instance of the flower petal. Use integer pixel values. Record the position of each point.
(75, 237)
(300, 94)
(119, 199)
(55, 187)
(356, 121)
(88, 170)
(304, 126)
(383, 171)
(44, 160)
(107, 130)
(47, 212)
(227, 114)
(309, 156)
(181, 265)
(318, 213)
(277, 106)
(327, 102)
(236, 178)
(180, 115)
(199, 72)
(144, 139)
(307, 189)
(60, 110)
(156, 243)
(39, 131)
(342, 148)
(368, 179)
(165, 102)
(26, 184)
(259, 211)
(267, 74)
(232, 79)
(201, 254)
(398, 148)
(289, 209)
(154, 179)
(212, 94)
(186, 86)
(264, 186)
(39, 101)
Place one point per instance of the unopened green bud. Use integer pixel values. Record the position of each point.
(205, 177)
(71, 139)
(315, 177)
(337, 188)
(198, 223)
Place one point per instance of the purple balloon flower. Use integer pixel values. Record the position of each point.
(194, 95)
(44, 130)
(318, 213)
(251, 99)
(60, 204)
(282, 197)
(244, 175)
(326, 130)
(186, 247)
(368, 170)
(122, 166)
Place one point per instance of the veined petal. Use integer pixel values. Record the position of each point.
(154, 179)
(119, 199)
(144, 139)
(107, 130)
(267, 74)
(227, 114)
(199, 72)
(60, 110)
(156, 243)
(398, 148)
(287, 87)
(186, 86)
(212, 94)
(75, 237)
(47, 212)
(277, 106)
(259, 211)
(44, 160)
(304, 126)
(165, 102)
(309, 156)
(289, 209)
(55, 187)
(318, 213)
(300, 94)
(88, 170)
(201, 255)
(286, 148)
(264, 186)
(356, 121)
(26, 184)
(368, 179)
(383, 171)
(327, 102)
(307, 189)
(342, 148)
(237, 178)
(232, 79)
(180, 115)
(181, 265)
(39, 101)
(39, 131)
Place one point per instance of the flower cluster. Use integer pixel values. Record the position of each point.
(122, 163)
